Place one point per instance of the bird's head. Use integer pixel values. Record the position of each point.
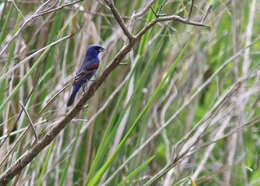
(94, 50)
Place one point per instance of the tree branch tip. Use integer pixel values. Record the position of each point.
(206, 15)
(154, 13)
(123, 64)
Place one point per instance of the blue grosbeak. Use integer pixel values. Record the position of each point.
(87, 69)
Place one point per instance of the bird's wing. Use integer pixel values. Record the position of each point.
(86, 73)
(82, 75)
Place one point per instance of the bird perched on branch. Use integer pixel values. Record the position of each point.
(87, 69)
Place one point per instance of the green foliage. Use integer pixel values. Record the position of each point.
(45, 163)
(121, 145)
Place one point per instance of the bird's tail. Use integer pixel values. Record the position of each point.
(72, 97)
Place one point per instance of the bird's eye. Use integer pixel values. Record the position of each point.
(100, 49)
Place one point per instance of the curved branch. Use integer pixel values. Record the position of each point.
(168, 18)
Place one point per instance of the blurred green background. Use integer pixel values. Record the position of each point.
(183, 105)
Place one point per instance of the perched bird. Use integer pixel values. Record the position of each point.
(87, 69)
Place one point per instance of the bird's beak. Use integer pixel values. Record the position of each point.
(101, 50)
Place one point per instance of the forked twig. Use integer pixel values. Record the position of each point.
(30, 121)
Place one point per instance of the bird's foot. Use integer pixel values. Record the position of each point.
(83, 88)
(94, 78)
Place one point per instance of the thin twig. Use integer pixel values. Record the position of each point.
(155, 13)
(57, 8)
(192, 3)
(17, 8)
(168, 18)
(144, 10)
(30, 121)
(33, 16)
(34, 54)
(54, 98)
(15, 122)
(12, 149)
(23, 26)
(119, 20)
(250, 123)
(206, 15)
(96, 13)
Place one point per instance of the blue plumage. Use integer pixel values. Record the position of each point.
(87, 69)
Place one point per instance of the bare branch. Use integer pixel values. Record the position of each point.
(119, 20)
(169, 18)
